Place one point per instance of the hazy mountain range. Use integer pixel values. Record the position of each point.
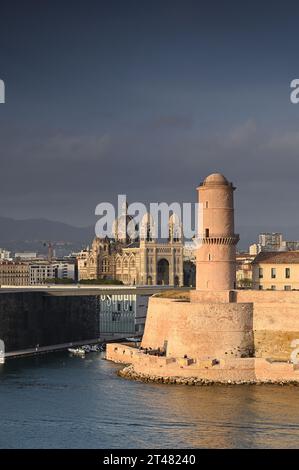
(31, 234)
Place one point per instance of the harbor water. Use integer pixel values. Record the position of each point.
(60, 401)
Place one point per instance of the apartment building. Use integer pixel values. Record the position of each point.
(276, 270)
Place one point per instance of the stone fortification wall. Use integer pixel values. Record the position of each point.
(199, 329)
(263, 322)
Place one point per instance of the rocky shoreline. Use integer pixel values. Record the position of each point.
(129, 373)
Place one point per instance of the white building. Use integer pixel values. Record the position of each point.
(4, 255)
(255, 249)
(41, 272)
(272, 242)
(26, 255)
(65, 270)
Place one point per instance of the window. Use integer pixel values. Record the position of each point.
(105, 265)
(260, 287)
(207, 233)
(288, 273)
(273, 287)
(207, 204)
(273, 273)
(287, 287)
(261, 273)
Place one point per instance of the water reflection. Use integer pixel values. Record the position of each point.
(62, 402)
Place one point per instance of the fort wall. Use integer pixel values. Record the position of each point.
(262, 325)
(199, 329)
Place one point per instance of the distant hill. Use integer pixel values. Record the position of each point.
(30, 234)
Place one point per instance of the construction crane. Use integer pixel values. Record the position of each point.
(50, 250)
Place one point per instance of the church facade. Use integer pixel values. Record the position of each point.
(144, 261)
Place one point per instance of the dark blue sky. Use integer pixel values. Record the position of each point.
(147, 98)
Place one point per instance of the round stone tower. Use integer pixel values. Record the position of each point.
(216, 252)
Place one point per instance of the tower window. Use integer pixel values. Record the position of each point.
(207, 233)
(209, 257)
(207, 204)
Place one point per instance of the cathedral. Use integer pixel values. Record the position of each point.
(139, 261)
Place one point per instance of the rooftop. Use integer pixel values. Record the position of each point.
(216, 178)
(277, 257)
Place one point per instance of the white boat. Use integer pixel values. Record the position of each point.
(133, 340)
(77, 351)
(95, 348)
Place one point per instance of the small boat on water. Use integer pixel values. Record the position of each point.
(96, 348)
(133, 340)
(87, 348)
(77, 351)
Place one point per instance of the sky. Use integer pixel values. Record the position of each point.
(146, 98)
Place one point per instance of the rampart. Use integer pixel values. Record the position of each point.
(241, 336)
